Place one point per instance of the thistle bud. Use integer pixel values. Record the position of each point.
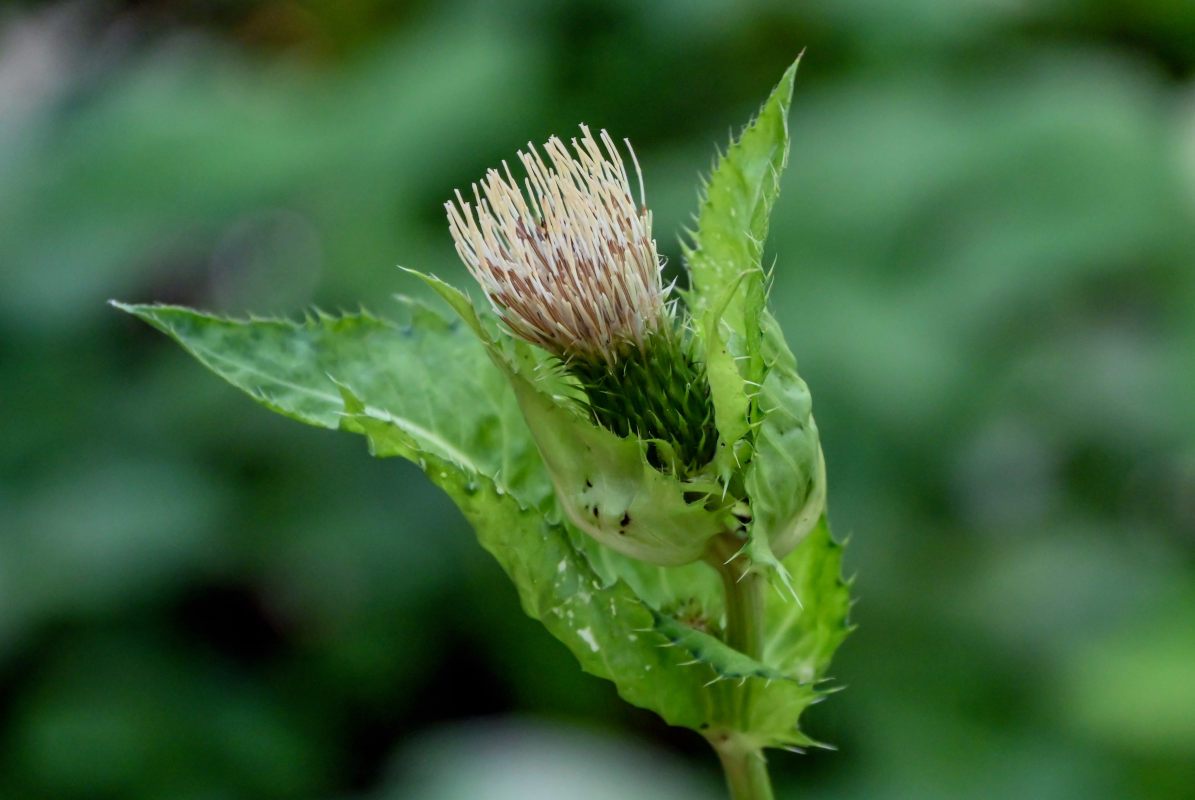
(567, 260)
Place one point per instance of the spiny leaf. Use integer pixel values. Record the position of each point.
(693, 590)
(725, 261)
(728, 389)
(786, 479)
(732, 224)
(604, 624)
(432, 380)
(802, 637)
(748, 695)
(726, 662)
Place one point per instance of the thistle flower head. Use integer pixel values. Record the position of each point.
(569, 263)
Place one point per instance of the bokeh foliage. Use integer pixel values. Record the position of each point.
(984, 266)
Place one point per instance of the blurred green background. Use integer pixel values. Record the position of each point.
(983, 261)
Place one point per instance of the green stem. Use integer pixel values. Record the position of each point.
(746, 771)
(745, 599)
(746, 595)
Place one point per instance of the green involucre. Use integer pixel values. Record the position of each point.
(657, 391)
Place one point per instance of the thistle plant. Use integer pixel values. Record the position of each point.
(641, 460)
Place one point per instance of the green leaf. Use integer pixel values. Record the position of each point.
(727, 663)
(749, 697)
(725, 256)
(692, 592)
(729, 390)
(801, 637)
(786, 479)
(732, 224)
(431, 378)
(603, 623)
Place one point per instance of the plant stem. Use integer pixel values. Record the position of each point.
(746, 771)
(742, 761)
(745, 598)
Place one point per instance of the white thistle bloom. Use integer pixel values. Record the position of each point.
(570, 264)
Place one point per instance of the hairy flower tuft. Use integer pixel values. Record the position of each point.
(569, 264)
